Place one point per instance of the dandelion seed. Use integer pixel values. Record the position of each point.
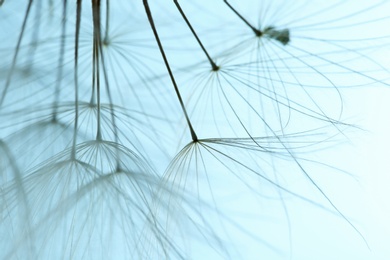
(95, 156)
(105, 193)
(283, 36)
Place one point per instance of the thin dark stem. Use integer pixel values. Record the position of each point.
(97, 76)
(105, 39)
(112, 112)
(60, 63)
(150, 18)
(213, 65)
(34, 36)
(92, 101)
(96, 44)
(256, 31)
(76, 80)
(9, 76)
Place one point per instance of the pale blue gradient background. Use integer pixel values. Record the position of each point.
(289, 227)
(363, 198)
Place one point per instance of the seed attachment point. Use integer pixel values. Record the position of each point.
(215, 67)
(106, 42)
(258, 32)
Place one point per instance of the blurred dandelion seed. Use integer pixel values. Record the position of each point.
(181, 131)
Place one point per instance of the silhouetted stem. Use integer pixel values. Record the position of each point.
(9, 76)
(150, 18)
(76, 80)
(213, 65)
(256, 31)
(60, 62)
(105, 40)
(96, 44)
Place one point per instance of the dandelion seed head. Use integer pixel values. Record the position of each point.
(177, 131)
(283, 36)
(89, 199)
